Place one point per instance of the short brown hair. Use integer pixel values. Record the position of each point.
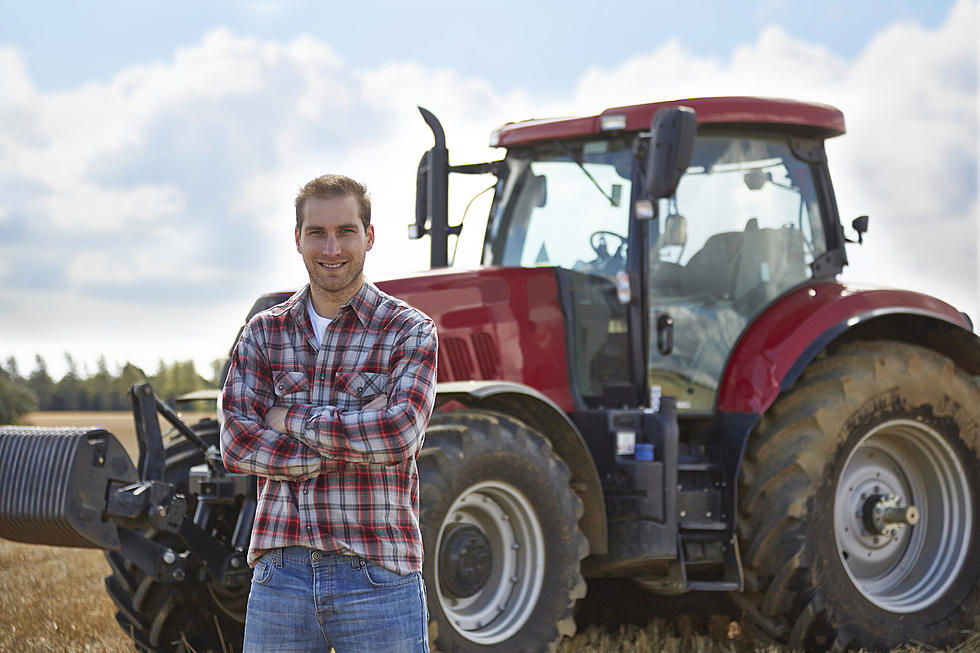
(327, 187)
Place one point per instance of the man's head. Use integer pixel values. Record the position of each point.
(333, 234)
(332, 186)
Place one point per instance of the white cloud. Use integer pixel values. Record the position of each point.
(91, 208)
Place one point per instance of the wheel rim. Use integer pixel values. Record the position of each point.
(903, 566)
(505, 595)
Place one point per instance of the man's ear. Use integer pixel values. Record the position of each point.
(370, 237)
(296, 233)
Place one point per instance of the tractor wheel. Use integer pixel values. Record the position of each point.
(859, 500)
(500, 529)
(192, 615)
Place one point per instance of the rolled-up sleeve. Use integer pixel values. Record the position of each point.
(386, 436)
(247, 445)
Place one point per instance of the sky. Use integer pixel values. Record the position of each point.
(150, 151)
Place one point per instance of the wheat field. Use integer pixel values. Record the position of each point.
(53, 599)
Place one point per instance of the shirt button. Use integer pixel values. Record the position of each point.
(306, 491)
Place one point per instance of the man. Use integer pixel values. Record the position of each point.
(326, 401)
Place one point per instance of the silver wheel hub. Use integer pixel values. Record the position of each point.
(492, 543)
(903, 514)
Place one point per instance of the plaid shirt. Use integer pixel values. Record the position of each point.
(340, 478)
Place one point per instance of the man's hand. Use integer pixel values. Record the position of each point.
(275, 419)
(377, 403)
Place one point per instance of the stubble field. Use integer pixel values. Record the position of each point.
(53, 598)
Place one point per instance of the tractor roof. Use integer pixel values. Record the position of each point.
(819, 119)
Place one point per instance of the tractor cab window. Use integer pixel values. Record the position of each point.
(567, 205)
(744, 227)
(564, 204)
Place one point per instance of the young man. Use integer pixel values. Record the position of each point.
(326, 401)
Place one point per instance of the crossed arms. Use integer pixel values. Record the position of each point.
(303, 440)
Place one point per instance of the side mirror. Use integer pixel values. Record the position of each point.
(671, 146)
(860, 225)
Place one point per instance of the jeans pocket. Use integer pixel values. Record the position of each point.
(378, 576)
(263, 570)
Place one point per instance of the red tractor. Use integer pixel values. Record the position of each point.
(658, 376)
(655, 375)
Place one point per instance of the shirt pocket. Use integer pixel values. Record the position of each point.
(363, 385)
(291, 387)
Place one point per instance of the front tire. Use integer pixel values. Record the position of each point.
(500, 529)
(860, 496)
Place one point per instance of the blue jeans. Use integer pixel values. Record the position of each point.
(307, 600)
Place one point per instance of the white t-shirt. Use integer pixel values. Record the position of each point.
(318, 322)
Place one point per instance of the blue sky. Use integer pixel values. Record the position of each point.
(149, 151)
(67, 43)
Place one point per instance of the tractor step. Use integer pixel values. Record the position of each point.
(710, 561)
(713, 586)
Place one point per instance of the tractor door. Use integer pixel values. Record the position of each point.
(566, 205)
(745, 226)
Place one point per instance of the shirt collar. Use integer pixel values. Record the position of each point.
(364, 302)
(361, 305)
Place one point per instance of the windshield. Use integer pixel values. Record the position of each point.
(564, 205)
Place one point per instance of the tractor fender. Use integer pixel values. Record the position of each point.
(786, 337)
(526, 404)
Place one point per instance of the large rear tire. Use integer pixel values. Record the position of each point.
(500, 529)
(192, 615)
(860, 497)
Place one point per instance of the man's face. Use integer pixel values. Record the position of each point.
(333, 243)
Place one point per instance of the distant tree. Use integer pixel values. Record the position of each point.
(104, 390)
(41, 384)
(176, 379)
(217, 367)
(98, 388)
(16, 397)
(128, 376)
(69, 393)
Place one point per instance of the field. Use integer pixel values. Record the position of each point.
(52, 598)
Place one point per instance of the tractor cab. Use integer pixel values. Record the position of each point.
(658, 286)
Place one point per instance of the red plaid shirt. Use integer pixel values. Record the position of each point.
(341, 478)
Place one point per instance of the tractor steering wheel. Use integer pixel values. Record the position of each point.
(597, 242)
(606, 262)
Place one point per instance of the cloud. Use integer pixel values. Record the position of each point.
(170, 186)
(909, 159)
(158, 204)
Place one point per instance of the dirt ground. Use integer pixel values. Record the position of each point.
(53, 598)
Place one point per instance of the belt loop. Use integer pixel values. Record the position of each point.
(355, 562)
(277, 557)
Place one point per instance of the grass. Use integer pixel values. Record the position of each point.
(53, 598)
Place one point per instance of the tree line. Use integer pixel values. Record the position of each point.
(101, 390)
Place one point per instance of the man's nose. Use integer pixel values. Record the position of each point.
(331, 245)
